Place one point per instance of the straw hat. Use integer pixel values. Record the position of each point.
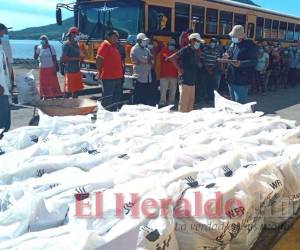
(238, 31)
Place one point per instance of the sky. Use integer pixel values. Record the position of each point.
(21, 14)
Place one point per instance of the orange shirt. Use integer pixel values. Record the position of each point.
(112, 62)
(167, 69)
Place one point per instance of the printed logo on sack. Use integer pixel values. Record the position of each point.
(34, 138)
(165, 245)
(276, 184)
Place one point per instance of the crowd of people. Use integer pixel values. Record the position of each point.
(185, 71)
(197, 69)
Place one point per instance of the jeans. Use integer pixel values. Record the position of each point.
(5, 119)
(112, 91)
(238, 93)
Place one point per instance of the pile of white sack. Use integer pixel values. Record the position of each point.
(208, 179)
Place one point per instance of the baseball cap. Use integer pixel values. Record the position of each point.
(238, 31)
(73, 30)
(43, 37)
(131, 39)
(142, 36)
(197, 37)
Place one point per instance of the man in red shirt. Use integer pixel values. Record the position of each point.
(168, 75)
(110, 69)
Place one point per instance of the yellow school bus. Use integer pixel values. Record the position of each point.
(168, 18)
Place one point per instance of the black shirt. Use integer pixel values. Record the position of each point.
(188, 62)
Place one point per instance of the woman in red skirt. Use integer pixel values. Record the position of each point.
(45, 53)
(71, 58)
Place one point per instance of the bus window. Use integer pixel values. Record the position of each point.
(159, 19)
(225, 24)
(275, 27)
(282, 30)
(267, 29)
(250, 30)
(182, 17)
(259, 27)
(198, 19)
(290, 33)
(211, 21)
(297, 33)
(239, 19)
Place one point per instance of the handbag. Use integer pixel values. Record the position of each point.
(54, 61)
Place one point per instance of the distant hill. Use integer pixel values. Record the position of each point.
(246, 2)
(53, 31)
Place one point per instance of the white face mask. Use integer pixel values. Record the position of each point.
(235, 40)
(150, 46)
(143, 44)
(5, 37)
(197, 45)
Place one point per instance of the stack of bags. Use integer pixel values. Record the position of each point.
(148, 178)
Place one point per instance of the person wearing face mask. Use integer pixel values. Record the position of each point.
(155, 46)
(284, 68)
(260, 70)
(212, 70)
(168, 75)
(292, 66)
(240, 72)
(5, 118)
(110, 69)
(71, 57)
(45, 53)
(8, 52)
(186, 61)
(276, 70)
(142, 61)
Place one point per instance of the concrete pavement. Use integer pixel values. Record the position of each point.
(284, 102)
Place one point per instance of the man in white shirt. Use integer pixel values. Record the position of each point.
(4, 93)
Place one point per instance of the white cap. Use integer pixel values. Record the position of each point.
(238, 31)
(197, 37)
(142, 36)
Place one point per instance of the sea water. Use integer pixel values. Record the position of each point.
(24, 49)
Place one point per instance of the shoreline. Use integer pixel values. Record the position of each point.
(26, 63)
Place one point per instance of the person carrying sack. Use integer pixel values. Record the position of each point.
(45, 53)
